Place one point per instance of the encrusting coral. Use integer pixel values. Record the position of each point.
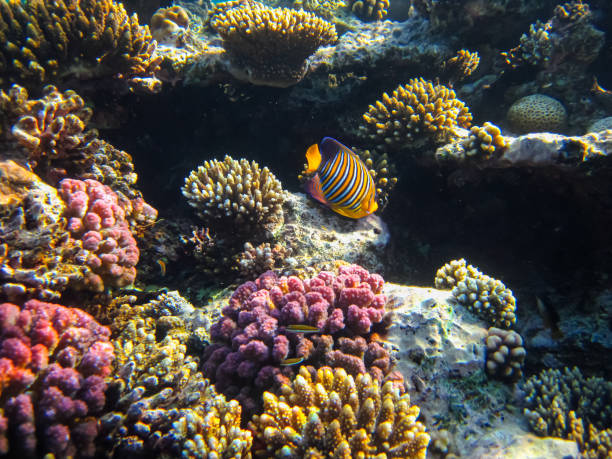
(479, 293)
(370, 10)
(235, 196)
(253, 340)
(414, 115)
(53, 365)
(505, 354)
(567, 405)
(483, 143)
(328, 413)
(269, 46)
(161, 404)
(537, 113)
(52, 41)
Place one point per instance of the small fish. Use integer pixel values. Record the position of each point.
(162, 266)
(298, 328)
(341, 181)
(550, 317)
(292, 361)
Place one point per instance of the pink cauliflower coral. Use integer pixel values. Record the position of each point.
(97, 218)
(53, 361)
(251, 340)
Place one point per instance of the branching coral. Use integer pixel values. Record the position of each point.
(51, 41)
(505, 354)
(331, 414)
(253, 338)
(567, 36)
(383, 172)
(370, 9)
(55, 144)
(269, 46)
(97, 218)
(161, 404)
(327, 9)
(415, 115)
(254, 261)
(483, 143)
(53, 361)
(235, 196)
(479, 293)
(565, 404)
(461, 66)
(537, 113)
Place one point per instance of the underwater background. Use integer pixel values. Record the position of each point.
(310, 228)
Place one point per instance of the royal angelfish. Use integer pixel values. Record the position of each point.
(342, 181)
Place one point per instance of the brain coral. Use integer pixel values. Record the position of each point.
(44, 41)
(96, 217)
(53, 361)
(537, 113)
(415, 115)
(235, 196)
(269, 46)
(479, 293)
(331, 414)
(565, 404)
(251, 340)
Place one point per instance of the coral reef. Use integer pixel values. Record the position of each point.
(37, 254)
(479, 293)
(328, 413)
(505, 354)
(53, 362)
(537, 113)
(269, 46)
(327, 9)
(96, 217)
(565, 404)
(236, 196)
(253, 339)
(370, 10)
(383, 172)
(415, 115)
(483, 143)
(461, 66)
(602, 124)
(51, 132)
(168, 24)
(161, 404)
(51, 42)
(254, 261)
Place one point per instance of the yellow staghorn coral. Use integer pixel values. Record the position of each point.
(331, 414)
(370, 10)
(269, 46)
(479, 293)
(415, 115)
(44, 41)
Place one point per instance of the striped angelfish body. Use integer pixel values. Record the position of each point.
(342, 180)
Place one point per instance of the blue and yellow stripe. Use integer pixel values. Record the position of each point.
(342, 180)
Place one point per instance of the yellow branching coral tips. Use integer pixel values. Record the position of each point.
(462, 65)
(415, 115)
(269, 46)
(331, 414)
(370, 10)
(47, 41)
(484, 143)
(479, 293)
(235, 196)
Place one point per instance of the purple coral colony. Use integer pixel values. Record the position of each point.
(182, 302)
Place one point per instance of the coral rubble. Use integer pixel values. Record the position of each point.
(52, 41)
(235, 194)
(328, 413)
(565, 404)
(53, 365)
(269, 46)
(415, 115)
(479, 293)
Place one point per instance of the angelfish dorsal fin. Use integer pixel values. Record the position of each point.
(313, 156)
